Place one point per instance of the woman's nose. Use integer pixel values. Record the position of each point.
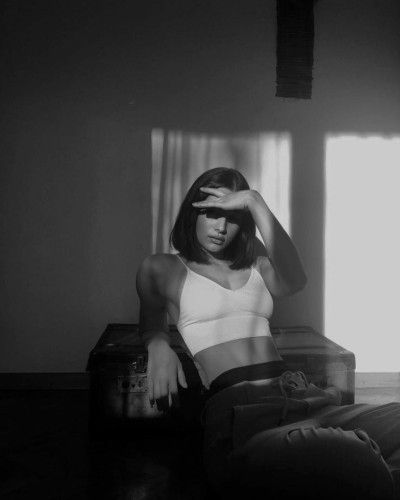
(221, 225)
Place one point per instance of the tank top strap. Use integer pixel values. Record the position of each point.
(180, 258)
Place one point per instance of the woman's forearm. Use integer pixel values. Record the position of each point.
(280, 248)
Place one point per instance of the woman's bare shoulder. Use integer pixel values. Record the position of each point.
(159, 265)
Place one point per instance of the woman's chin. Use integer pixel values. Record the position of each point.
(215, 250)
(216, 253)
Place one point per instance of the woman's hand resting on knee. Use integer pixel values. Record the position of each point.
(164, 372)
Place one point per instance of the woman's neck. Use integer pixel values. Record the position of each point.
(219, 262)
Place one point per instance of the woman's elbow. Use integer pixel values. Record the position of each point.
(302, 282)
(298, 285)
(290, 288)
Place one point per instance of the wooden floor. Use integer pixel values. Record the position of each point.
(46, 452)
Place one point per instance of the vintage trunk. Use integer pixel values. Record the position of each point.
(117, 367)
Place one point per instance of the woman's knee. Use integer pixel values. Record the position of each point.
(329, 460)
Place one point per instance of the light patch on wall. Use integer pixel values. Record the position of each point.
(178, 158)
(362, 249)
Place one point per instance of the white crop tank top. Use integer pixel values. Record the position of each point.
(211, 314)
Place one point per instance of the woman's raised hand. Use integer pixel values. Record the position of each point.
(236, 200)
(164, 372)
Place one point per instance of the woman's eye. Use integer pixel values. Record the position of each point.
(216, 214)
(213, 213)
(209, 212)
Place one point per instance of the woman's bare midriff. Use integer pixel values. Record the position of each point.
(242, 352)
(216, 359)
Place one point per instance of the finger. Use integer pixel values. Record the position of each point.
(173, 387)
(181, 377)
(207, 204)
(162, 399)
(211, 190)
(163, 388)
(175, 399)
(156, 391)
(150, 390)
(173, 392)
(210, 202)
(160, 389)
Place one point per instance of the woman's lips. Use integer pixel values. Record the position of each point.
(217, 241)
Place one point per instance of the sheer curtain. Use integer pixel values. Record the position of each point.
(178, 158)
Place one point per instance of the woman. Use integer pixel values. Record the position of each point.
(266, 430)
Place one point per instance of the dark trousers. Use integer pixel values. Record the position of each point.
(320, 451)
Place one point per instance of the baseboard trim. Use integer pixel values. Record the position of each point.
(377, 379)
(44, 381)
(80, 380)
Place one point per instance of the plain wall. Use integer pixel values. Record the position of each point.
(84, 83)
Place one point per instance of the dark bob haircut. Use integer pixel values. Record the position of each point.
(183, 235)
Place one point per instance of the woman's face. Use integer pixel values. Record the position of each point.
(216, 228)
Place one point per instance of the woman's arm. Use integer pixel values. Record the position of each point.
(282, 269)
(164, 370)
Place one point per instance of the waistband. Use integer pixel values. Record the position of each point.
(260, 371)
(287, 391)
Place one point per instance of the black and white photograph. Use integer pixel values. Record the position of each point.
(200, 249)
